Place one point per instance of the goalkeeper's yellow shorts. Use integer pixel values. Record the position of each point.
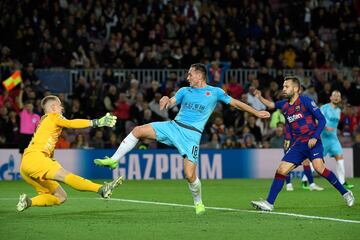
(33, 169)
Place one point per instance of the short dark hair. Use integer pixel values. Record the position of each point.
(47, 99)
(294, 79)
(201, 68)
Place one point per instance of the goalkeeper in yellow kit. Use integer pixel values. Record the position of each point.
(40, 170)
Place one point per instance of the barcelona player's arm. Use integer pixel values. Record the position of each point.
(243, 106)
(269, 104)
(108, 121)
(321, 121)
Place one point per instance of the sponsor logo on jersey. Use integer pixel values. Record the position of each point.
(294, 117)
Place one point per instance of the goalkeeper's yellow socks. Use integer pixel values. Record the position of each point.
(45, 200)
(81, 184)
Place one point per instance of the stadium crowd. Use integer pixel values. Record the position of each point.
(320, 35)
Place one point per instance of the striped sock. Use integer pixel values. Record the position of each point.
(330, 176)
(276, 187)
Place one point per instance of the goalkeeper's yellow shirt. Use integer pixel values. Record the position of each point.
(49, 130)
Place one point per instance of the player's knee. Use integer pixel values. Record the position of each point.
(282, 171)
(319, 168)
(190, 176)
(137, 132)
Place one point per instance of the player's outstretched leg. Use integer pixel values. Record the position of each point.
(106, 190)
(194, 186)
(126, 145)
(333, 180)
(276, 186)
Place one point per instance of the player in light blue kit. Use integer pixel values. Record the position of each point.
(329, 138)
(197, 103)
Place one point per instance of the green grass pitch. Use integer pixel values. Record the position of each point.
(85, 216)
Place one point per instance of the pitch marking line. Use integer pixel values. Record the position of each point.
(234, 210)
(214, 208)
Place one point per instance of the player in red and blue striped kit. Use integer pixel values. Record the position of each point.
(306, 123)
(306, 164)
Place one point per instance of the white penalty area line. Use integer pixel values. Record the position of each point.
(234, 210)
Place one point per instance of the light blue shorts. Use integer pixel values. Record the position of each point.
(185, 140)
(332, 147)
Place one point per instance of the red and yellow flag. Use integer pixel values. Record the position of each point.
(12, 81)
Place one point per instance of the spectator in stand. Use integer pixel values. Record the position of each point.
(233, 88)
(63, 142)
(110, 98)
(325, 93)
(217, 72)
(98, 140)
(254, 129)
(79, 142)
(112, 142)
(277, 141)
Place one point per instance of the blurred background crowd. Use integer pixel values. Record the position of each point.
(173, 34)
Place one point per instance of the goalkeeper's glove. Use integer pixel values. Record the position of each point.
(106, 121)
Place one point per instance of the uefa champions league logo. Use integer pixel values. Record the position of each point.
(7, 170)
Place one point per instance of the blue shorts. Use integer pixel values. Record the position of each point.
(185, 140)
(332, 147)
(300, 151)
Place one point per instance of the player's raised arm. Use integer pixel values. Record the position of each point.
(267, 103)
(52, 106)
(243, 106)
(106, 121)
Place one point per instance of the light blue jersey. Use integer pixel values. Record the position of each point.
(197, 104)
(330, 140)
(184, 132)
(332, 116)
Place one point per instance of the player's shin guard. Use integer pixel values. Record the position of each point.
(45, 200)
(276, 187)
(330, 176)
(195, 189)
(308, 174)
(81, 184)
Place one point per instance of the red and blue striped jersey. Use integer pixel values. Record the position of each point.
(301, 118)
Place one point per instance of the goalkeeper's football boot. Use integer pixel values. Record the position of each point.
(107, 189)
(262, 205)
(106, 162)
(199, 208)
(24, 202)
